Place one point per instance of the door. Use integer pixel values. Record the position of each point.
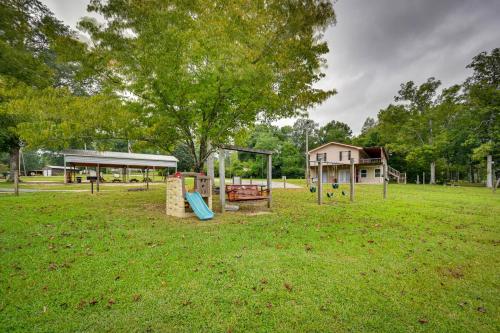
(344, 176)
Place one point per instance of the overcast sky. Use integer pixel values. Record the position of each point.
(377, 45)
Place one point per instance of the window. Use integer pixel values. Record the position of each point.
(348, 155)
(377, 173)
(321, 157)
(363, 173)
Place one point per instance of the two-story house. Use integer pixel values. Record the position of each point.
(336, 158)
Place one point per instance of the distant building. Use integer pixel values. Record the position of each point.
(55, 170)
(336, 157)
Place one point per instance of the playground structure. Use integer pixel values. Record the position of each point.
(182, 203)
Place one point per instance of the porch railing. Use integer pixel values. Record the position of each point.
(370, 161)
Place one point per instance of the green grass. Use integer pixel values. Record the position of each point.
(426, 259)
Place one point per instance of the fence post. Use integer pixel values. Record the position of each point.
(284, 181)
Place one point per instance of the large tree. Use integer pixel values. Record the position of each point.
(201, 73)
(335, 131)
(28, 33)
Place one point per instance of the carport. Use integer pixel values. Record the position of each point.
(111, 159)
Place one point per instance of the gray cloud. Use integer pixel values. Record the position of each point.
(378, 44)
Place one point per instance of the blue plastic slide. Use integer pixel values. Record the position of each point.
(199, 206)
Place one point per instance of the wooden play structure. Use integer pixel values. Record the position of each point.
(183, 203)
(243, 193)
(237, 193)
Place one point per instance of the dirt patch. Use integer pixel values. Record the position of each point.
(452, 272)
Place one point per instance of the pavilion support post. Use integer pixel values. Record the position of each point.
(385, 180)
(65, 173)
(124, 174)
(98, 180)
(222, 180)
(147, 179)
(269, 179)
(320, 182)
(351, 180)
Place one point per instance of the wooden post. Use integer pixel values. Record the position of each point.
(210, 165)
(423, 178)
(92, 186)
(352, 179)
(98, 181)
(307, 157)
(284, 181)
(493, 176)
(385, 180)
(16, 183)
(222, 180)
(269, 179)
(147, 179)
(65, 176)
(320, 182)
(489, 171)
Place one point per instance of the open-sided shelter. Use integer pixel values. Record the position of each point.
(98, 159)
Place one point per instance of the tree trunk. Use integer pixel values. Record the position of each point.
(14, 163)
(433, 173)
(489, 168)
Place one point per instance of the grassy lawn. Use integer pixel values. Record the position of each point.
(426, 259)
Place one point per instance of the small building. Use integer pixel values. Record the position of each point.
(336, 159)
(56, 170)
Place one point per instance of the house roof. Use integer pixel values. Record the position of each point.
(376, 151)
(368, 150)
(118, 159)
(335, 143)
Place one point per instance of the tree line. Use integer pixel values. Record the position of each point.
(183, 78)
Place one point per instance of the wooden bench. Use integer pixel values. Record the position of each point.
(245, 193)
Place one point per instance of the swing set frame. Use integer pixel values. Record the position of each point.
(266, 194)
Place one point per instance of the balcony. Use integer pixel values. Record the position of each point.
(370, 161)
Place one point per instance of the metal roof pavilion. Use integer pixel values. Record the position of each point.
(117, 159)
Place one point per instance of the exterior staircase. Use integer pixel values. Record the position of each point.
(395, 174)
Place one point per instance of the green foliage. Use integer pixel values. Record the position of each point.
(203, 72)
(334, 131)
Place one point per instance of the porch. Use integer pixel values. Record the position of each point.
(369, 173)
